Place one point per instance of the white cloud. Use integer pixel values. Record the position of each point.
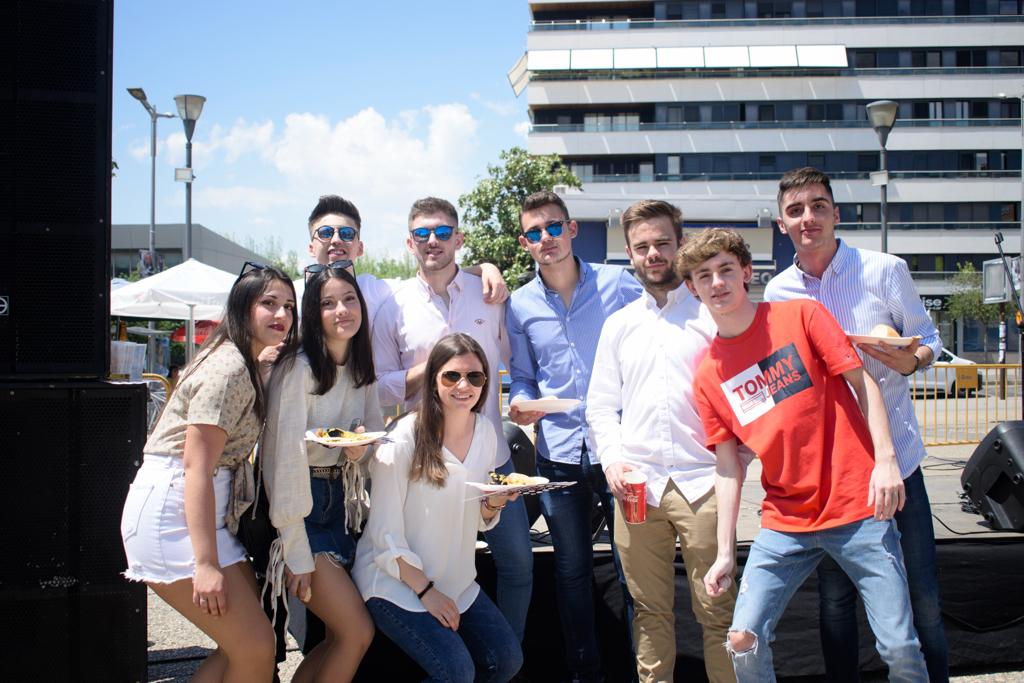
(500, 108)
(230, 144)
(242, 198)
(522, 129)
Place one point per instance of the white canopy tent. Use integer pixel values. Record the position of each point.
(190, 291)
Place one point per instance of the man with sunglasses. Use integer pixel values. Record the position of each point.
(440, 300)
(554, 323)
(335, 236)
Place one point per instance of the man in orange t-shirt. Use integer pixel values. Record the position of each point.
(777, 378)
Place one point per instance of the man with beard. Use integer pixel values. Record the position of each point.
(643, 414)
(440, 300)
(554, 322)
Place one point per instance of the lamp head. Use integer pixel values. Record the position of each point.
(882, 115)
(189, 109)
(138, 93)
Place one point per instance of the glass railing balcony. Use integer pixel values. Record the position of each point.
(774, 175)
(935, 225)
(767, 72)
(631, 24)
(539, 128)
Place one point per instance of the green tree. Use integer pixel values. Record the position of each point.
(273, 253)
(386, 267)
(490, 211)
(966, 300)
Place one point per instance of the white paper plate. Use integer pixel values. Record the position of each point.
(870, 339)
(549, 404)
(538, 484)
(368, 438)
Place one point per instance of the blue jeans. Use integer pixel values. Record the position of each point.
(510, 546)
(838, 597)
(568, 515)
(484, 648)
(869, 552)
(326, 527)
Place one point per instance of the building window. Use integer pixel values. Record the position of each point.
(673, 167)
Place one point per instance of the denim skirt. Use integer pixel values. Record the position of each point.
(156, 540)
(325, 525)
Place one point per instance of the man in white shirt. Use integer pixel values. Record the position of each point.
(442, 299)
(642, 416)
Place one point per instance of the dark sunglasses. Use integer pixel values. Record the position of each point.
(312, 270)
(450, 378)
(250, 266)
(553, 229)
(325, 233)
(441, 232)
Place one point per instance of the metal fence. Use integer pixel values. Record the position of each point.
(960, 404)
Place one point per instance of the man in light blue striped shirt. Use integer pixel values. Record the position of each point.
(861, 289)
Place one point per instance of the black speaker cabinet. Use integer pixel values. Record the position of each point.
(55, 99)
(69, 452)
(994, 476)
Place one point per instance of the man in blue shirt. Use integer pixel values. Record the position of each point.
(861, 289)
(554, 323)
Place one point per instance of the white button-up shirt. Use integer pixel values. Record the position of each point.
(641, 405)
(415, 318)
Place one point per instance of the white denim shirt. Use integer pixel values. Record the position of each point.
(415, 318)
(640, 405)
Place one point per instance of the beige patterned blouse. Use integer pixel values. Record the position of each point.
(218, 392)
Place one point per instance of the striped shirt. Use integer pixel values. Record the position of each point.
(861, 289)
(553, 350)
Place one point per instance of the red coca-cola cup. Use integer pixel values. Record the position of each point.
(634, 501)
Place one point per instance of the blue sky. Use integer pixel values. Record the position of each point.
(380, 102)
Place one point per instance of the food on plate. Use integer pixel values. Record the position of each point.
(883, 330)
(336, 433)
(511, 479)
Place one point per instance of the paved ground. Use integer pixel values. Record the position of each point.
(176, 646)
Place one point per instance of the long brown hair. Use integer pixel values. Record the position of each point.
(427, 460)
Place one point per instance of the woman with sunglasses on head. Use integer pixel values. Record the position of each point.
(182, 509)
(317, 494)
(415, 564)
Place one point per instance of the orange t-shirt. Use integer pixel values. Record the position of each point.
(779, 389)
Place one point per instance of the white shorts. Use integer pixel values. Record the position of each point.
(156, 540)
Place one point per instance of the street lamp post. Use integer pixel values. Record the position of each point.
(140, 95)
(189, 109)
(882, 115)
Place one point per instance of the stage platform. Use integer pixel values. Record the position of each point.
(981, 574)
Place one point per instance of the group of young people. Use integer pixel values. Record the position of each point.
(680, 376)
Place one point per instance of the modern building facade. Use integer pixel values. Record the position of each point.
(706, 103)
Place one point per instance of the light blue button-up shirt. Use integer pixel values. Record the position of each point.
(553, 350)
(861, 289)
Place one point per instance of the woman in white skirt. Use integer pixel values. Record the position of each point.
(182, 509)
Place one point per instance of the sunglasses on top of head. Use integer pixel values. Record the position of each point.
(312, 270)
(250, 266)
(441, 232)
(450, 378)
(533, 235)
(325, 233)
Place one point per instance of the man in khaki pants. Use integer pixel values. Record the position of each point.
(643, 417)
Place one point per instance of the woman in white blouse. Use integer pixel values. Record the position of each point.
(182, 509)
(415, 564)
(317, 494)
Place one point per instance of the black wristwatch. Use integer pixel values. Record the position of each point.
(917, 366)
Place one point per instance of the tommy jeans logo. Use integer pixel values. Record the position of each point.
(759, 388)
(479, 321)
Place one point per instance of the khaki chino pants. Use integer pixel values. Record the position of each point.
(648, 553)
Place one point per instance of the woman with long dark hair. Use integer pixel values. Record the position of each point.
(415, 564)
(182, 509)
(317, 494)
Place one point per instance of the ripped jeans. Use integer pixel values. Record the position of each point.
(779, 562)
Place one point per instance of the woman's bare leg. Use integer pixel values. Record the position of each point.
(245, 639)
